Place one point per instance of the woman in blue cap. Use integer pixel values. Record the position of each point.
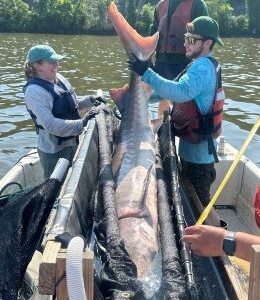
(53, 106)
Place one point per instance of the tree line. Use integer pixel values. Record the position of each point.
(90, 17)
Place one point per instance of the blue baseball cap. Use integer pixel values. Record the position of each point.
(43, 53)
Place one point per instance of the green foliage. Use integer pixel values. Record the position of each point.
(221, 11)
(239, 25)
(131, 12)
(96, 12)
(90, 16)
(253, 9)
(58, 16)
(14, 15)
(145, 19)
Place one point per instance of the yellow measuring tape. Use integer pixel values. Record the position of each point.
(207, 210)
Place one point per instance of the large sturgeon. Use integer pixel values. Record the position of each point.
(134, 159)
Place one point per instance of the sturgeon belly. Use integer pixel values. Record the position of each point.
(136, 196)
(134, 159)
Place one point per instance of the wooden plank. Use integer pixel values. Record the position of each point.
(242, 264)
(61, 285)
(237, 278)
(254, 281)
(88, 274)
(47, 270)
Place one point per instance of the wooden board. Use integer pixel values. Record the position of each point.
(88, 274)
(254, 283)
(47, 270)
(237, 278)
(52, 272)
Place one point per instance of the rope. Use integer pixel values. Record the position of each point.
(9, 184)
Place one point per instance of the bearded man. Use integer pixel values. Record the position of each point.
(197, 99)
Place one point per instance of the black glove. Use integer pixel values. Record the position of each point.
(97, 100)
(85, 119)
(139, 66)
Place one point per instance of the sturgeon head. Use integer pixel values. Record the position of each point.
(134, 158)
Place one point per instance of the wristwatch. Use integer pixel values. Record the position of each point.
(229, 243)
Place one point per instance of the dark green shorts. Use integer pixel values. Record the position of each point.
(201, 176)
(49, 160)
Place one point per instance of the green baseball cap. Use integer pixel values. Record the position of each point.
(43, 53)
(205, 27)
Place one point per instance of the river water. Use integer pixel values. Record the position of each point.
(94, 62)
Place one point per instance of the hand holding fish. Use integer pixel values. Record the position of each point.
(139, 66)
(96, 100)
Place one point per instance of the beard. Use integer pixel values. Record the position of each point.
(195, 53)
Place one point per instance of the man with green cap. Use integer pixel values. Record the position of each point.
(53, 107)
(197, 99)
(170, 19)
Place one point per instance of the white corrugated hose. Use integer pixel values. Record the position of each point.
(74, 270)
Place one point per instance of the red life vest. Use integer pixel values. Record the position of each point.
(172, 28)
(189, 124)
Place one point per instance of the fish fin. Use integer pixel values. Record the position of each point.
(156, 124)
(146, 212)
(134, 43)
(118, 94)
(147, 90)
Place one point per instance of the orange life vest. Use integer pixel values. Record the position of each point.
(189, 124)
(172, 28)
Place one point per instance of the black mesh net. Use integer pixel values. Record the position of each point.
(23, 217)
(119, 272)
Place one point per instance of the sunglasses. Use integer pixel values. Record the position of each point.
(192, 40)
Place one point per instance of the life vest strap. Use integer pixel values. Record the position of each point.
(217, 112)
(212, 149)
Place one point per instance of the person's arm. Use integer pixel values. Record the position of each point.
(88, 101)
(187, 88)
(85, 102)
(40, 101)
(244, 242)
(208, 241)
(196, 82)
(199, 8)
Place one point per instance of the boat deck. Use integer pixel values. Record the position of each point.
(235, 201)
(235, 223)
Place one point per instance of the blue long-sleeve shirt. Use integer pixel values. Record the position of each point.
(198, 83)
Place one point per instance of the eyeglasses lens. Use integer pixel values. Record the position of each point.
(190, 40)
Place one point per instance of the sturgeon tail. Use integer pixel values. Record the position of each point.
(134, 43)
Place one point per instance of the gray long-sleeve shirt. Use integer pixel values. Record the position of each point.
(40, 102)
